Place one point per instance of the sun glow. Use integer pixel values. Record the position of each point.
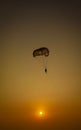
(41, 112)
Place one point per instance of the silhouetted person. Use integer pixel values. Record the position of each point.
(45, 70)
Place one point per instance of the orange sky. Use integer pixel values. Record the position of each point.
(24, 86)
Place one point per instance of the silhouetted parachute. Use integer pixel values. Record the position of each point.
(43, 52)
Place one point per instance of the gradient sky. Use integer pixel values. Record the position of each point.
(26, 26)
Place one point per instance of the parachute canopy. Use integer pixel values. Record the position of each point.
(41, 51)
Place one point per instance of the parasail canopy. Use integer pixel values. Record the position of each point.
(41, 51)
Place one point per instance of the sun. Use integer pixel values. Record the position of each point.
(41, 113)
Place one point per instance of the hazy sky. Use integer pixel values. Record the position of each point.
(26, 26)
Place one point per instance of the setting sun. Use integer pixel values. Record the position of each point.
(41, 112)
